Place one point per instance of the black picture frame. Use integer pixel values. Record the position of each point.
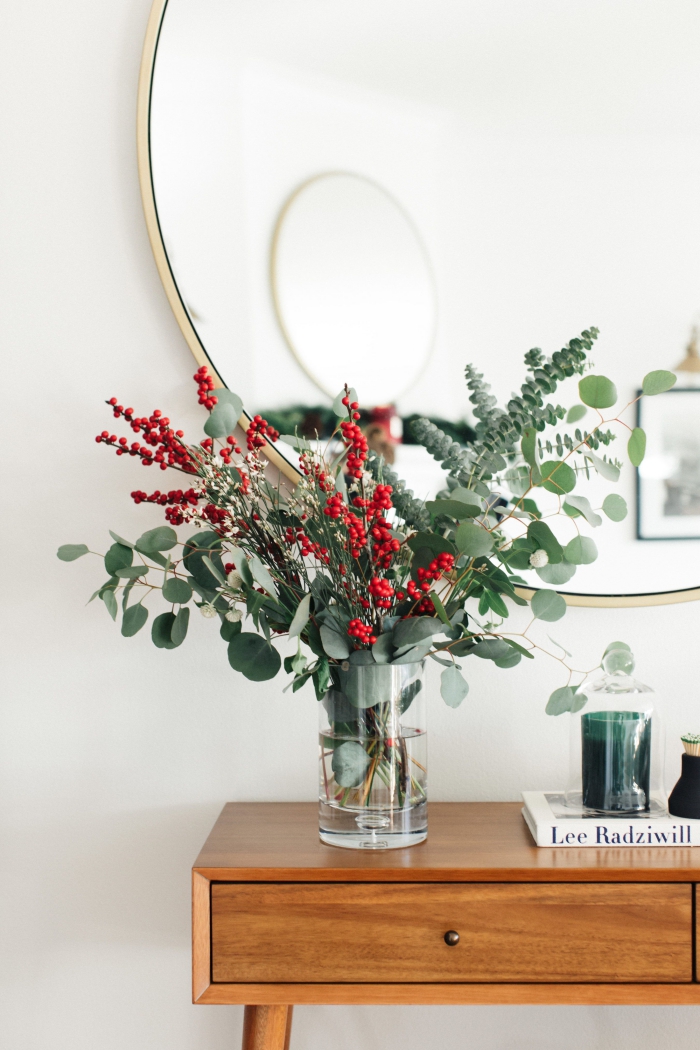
(668, 423)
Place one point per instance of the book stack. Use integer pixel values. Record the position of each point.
(552, 824)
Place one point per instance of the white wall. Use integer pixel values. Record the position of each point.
(116, 757)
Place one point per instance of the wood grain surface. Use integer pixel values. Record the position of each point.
(455, 994)
(467, 842)
(267, 1027)
(378, 933)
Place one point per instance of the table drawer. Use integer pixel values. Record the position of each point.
(395, 932)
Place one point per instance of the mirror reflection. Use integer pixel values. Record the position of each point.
(352, 287)
(545, 203)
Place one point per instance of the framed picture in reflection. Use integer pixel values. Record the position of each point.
(668, 479)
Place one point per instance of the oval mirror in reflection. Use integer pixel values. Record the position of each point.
(353, 288)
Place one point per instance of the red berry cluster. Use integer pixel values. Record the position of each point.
(216, 516)
(228, 449)
(362, 632)
(257, 431)
(307, 547)
(175, 496)
(382, 592)
(444, 563)
(355, 440)
(205, 385)
(169, 449)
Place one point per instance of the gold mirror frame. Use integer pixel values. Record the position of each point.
(143, 148)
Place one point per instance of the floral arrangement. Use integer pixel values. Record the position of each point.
(349, 563)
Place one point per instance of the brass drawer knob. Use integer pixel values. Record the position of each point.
(451, 938)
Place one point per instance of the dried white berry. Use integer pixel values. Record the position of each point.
(234, 580)
(208, 611)
(234, 616)
(539, 559)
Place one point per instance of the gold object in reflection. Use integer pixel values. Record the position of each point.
(691, 361)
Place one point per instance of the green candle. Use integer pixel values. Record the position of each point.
(616, 760)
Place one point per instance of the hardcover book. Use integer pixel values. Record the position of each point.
(552, 824)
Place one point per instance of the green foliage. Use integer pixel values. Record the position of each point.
(557, 477)
(581, 551)
(615, 507)
(453, 686)
(575, 413)
(473, 540)
(253, 656)
(119, 556)
(133, 620)
(637, 446)
(548, 605)
(658, 382)
(350, 762)
(177, 591)
(597, 392)
(565, 699)
(161, 539)
(71, 551)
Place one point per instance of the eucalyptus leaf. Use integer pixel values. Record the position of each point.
(301, 617)
(637, 446)
(367, 685)
(453, 686)
(492, 649)
(350, 763)
(547, 605)
(528, 447)
(453, 508)
(262, 577)
(224, 396)
(162, 538)
(556, 574)
(615, 507)
(562, 700)
(177, 591)
(71, 551)
(542, 537)
(557, 477)
(616, 645)
(339, 707)
(575, 413)
(518, 479)
(335, 644)
(511, 659)
(415, 655)
(132, 572)
(467, 496)
(253, 656)
(161, 631)
(118, 557)
(222, 421)
(118, 539)
(109, 598)
(133, 620)
(658, 382)
(338, 407)
(383, 648)
(431, 541)
(581, 551)
(218, 576)
(440, 609)
(606, 469)
(597, 391)
(583, 506)
(473, 540)
(178, 631)
(415, 629)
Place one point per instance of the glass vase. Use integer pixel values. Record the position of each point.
(373, 757)
(616, 745)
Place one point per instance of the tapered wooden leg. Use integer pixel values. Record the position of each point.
(267, 1027)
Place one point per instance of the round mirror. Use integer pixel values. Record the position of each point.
(352, 287)
(546, 201)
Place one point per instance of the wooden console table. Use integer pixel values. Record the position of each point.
(477, 914)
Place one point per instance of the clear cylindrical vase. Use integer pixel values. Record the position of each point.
(373, 789)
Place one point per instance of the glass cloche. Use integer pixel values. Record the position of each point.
(617, 744)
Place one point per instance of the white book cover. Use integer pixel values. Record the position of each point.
(551, 825)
